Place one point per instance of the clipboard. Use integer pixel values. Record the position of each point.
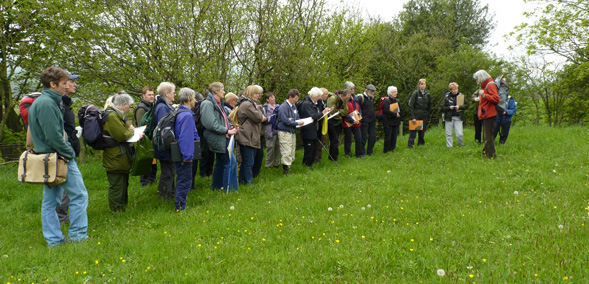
(460, 100)
(177, 156)
(394, 108)
(417, 125)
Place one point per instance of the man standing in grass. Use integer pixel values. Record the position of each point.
(46, 126)
(69, 119)
(287, 116)
(147, 99)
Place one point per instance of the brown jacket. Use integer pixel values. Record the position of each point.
(250, 119)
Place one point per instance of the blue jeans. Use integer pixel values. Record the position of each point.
(225, 172)
(248, 154)
(76, 190)
(183, 184)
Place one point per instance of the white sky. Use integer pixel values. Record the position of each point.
(508, 14)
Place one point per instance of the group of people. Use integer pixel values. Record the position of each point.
(221, 122)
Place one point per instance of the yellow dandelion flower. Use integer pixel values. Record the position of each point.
(484, 260)
(98, 243)
(412, 240)
(364, 237)
(565, 278)
(470, 275)
(124, 261)
(84, 272)
(535, 275)
(411, 249)
(263, 240)
(96, 261)
(199, 245)
(337, 241)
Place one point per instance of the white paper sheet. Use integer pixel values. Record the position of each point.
(137, 134)
(306, 121)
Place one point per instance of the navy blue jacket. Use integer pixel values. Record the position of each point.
(287, 116)
(511, 110)
(162, 108)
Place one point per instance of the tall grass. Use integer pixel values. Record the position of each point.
(394, 218)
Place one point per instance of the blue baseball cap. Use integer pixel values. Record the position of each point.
(73, 77)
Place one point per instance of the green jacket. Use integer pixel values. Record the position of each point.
(117, 159)
(420, 105)
(46, 125)
(339, 106)
(211, 115)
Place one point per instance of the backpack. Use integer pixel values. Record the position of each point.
(25, 104)
(140, 105)
(92, 120)
(274, 118)
(503, 88)
(164, 133)
(379, 114)
(149, 120)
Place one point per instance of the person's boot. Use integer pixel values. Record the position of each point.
(285, 170)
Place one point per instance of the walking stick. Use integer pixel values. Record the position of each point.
(330, 157)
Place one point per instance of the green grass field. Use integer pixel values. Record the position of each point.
(394, 218)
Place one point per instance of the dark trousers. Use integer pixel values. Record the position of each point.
(194, 169)
(207, 158)
(502, 128)
(420, 133)
(150, 178)
(488, 128)
(118, 196)
(318, 148)
(334, 130)
(183, 183)
(390, 137)
(309, 145)
(166, 186)
(248, 155)
(348, 132)
(62, 210)
(478, 127)
(368, 131)
(259, 158)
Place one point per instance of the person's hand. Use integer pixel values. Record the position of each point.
(398, 114)
(264, 118)
(356, 122)
(301, 123)
(187, 162)
(141, 136)
(232, 131)
(131, 127)
(414, 120)
(477, 99)
(326, 110)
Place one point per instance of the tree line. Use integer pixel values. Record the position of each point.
(125, 45)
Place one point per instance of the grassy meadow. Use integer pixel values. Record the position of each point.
(402, 217)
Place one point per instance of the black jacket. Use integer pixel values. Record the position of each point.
(366, 107)
(69, 123)
(390, 118)
(310, 109)
(420, 105)
(449, 101)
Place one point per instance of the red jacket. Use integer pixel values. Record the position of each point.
(352, 106)
(487, 105)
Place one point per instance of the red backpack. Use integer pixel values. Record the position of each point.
(379, 111)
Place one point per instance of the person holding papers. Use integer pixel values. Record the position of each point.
(117, 160)
(453, 108)
(287, 123)
(310, 108)
(339, 107)
(391, 119)
(352, 126)
(272, 145)
(420, 106)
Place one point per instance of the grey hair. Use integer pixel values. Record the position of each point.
(165, 87)
(315, 92)
(481, 76)
(215, 87)
(186, 95)
(349, 85)
(390, 90)
(198, 96)
(118, 99)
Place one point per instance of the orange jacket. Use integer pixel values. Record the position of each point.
(487, 105)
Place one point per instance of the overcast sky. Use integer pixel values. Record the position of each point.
(508, 14)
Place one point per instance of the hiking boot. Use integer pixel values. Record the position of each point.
(285, 170)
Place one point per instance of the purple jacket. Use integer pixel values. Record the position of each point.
(186, 133)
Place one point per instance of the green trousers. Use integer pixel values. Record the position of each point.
(118, 196)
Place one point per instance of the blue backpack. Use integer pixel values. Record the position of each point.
(92, 120)
(503, 88)
(274, 118)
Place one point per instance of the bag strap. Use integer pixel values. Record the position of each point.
(24, 165)
(46, 163)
